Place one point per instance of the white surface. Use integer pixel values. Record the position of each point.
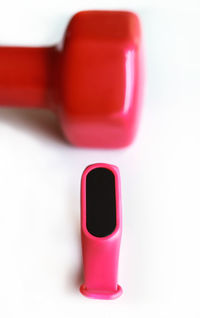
(40, 179)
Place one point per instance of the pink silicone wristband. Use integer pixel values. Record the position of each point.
(101, 254)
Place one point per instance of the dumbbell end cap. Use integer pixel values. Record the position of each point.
(101, 79)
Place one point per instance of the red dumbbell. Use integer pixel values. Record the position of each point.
(92, 81)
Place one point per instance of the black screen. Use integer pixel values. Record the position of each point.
(100, 202)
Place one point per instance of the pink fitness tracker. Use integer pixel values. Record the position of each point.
(101, 227)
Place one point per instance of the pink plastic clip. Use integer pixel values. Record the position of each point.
(101, 227)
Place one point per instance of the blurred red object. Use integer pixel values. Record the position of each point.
(93, 81)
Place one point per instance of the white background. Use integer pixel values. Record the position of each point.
(40, 253)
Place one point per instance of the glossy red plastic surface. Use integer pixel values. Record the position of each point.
(92, 81)
(101, 78)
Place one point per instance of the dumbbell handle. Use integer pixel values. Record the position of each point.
(27, 76)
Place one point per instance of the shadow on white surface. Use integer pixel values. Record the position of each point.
(39, 123)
